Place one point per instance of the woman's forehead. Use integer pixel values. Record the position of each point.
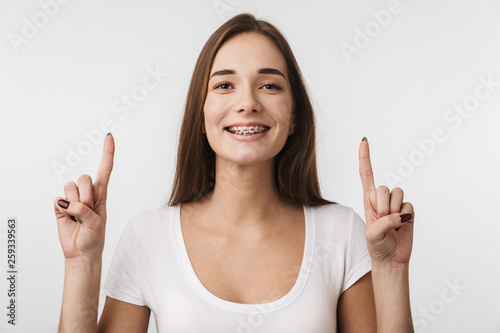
(249, 51)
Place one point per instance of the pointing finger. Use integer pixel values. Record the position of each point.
(365, 167)
(106, 165)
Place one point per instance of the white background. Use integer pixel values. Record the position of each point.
(396, 90)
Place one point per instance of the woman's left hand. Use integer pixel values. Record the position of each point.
(389, 239)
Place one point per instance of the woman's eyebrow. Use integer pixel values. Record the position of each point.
(223, 72)
(260, 71)
(270, 71)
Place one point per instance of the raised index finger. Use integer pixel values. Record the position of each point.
(106, 165)
(365, 167)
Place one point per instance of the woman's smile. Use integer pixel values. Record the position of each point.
(246, 134)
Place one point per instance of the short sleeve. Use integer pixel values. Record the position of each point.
(123, 278)
(358, 261)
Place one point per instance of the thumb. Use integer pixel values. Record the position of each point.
(378, 229)
(77, 211)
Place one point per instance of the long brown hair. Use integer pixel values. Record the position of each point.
(295, 165)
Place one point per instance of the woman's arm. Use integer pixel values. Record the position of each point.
(81, 301)
(81, 224)
(356, 308)
(80, 296)
(118, 317)
(392, 298)
(384, 289)
(389, 237)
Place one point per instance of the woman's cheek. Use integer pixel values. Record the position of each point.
(215, 104)
(210, 109)
(215, 110)
(284, 113)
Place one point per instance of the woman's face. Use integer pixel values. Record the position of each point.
(248, 87)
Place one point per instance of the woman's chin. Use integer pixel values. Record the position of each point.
(246, 158)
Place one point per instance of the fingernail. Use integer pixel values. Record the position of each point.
(63, 203)
(398, 228)
(109, 133)
(405, 218)
(364, 139)
(73, 218)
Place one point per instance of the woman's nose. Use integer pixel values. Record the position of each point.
(248, 100)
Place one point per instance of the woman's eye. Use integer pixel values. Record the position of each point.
(227, 85)
(271, 86)
(223, 85)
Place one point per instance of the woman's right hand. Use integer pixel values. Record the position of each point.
(81, 216)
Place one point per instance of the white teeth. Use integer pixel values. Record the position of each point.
(247, 130)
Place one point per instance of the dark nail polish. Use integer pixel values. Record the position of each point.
(398, 228)
(405, 217)
(109, 133)
(364, 139)
(73, 218)
(63, 203)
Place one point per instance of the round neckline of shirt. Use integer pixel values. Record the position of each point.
(212, 299)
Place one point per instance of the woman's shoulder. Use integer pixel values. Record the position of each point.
(152, 220)
(336, 215)
(333, 210)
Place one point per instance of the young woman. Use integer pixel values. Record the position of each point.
(246, 242)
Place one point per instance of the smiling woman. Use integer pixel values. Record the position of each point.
(232, 71)
(257, 249)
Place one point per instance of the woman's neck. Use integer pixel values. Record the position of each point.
(244, 195)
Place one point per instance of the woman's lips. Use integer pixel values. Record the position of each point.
(247, 138)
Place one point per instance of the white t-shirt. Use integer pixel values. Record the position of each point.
(151, 267)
